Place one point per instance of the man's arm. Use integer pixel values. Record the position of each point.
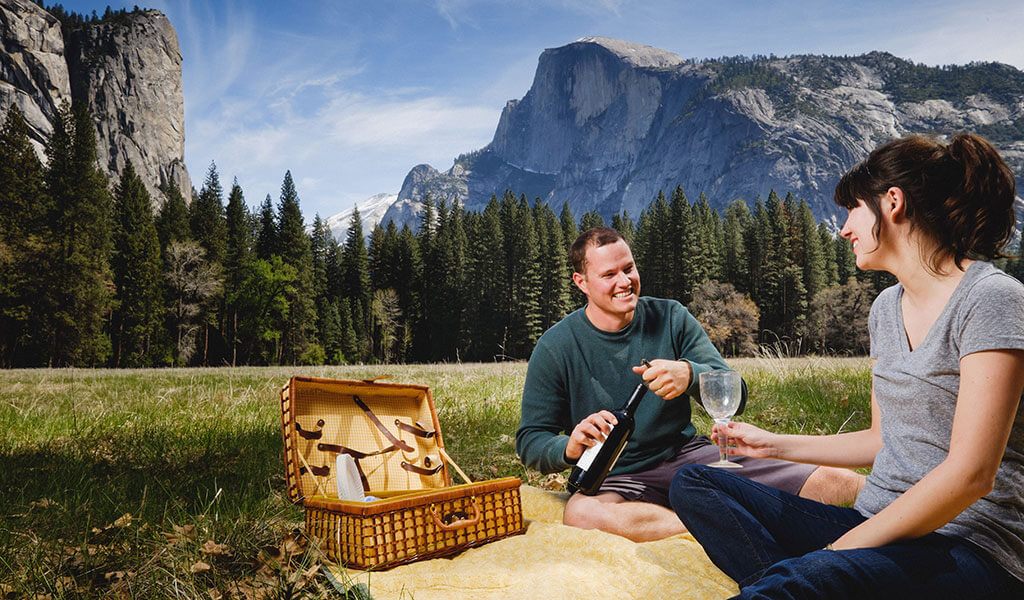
(671, 378)
(540, 439)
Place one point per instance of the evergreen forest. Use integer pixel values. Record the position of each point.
(91, 276)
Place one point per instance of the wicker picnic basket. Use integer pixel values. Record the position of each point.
(392, 432)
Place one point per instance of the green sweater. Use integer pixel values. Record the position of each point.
(576, 370)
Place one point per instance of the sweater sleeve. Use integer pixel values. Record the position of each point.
(541, 438)
(697, 349)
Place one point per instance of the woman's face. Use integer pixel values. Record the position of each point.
(860, 222)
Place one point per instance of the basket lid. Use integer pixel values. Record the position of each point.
(390, 429)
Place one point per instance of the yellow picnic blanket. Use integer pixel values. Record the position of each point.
(553, 561)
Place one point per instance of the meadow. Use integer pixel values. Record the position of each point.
(169, 483)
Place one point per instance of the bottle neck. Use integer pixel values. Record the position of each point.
(634, 400)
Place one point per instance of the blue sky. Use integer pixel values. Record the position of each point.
(351, 95)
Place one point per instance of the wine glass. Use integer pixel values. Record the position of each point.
(721, 392)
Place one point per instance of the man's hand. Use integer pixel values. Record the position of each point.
(666, 378)
(589, 432)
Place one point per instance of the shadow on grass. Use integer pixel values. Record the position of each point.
(154, 475)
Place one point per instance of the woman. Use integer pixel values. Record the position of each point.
(942, 513)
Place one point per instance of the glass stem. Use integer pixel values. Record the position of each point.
(723, 442)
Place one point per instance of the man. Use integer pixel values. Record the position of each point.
(590, 361)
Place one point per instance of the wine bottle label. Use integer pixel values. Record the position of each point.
(590, 454)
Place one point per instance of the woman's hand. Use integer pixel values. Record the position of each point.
(748, 440)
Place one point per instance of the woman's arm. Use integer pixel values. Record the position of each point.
(991, 384)
(853, 449)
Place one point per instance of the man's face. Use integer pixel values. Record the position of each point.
(611, 284)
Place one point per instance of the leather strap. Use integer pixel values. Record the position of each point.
(323, 471)
(373, 418)
(416, 429)
(420, 470)
(339, 449)
(310, 435)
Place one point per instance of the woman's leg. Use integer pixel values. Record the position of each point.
(745, 527)
(933, 567)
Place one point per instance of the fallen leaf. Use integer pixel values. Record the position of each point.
(179, 533)
(43, 503)
(199, 567)
(213, 548)
(115, 576)
(290, 546)
(554, 481)
(215, 594)
(124, 521)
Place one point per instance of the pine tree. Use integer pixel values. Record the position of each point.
(755, 242)
(237, 263)
(136, 267)
(591, 219)
(209, 227)
(624, 225)
(410, 273)
(810, 252)
(206, 217)
(356, 283)
(78, 293)
(554, 285)
(569, 229)
(828, 253)
(294, 244)
(846, 262)
(679, 243)
(654, 253)
(172, 220)
(735, 264)
(522, 321)
(267, 234)
(25, 246)
(487, 301)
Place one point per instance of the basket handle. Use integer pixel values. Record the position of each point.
(459, 523)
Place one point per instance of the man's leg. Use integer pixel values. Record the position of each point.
(638, 521)
(831, 485)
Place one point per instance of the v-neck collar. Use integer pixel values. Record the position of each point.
(905, 337)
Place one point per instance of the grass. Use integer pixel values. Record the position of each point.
(170, 483)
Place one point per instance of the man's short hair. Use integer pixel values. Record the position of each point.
(595, 236)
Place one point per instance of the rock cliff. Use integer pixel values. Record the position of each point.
(607, 124)
(125, 69)
(33, 72)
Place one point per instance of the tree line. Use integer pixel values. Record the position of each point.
(90, 276)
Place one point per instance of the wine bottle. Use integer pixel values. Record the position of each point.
(595, 463)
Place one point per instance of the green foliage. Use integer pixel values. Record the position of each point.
(136, 267)
(295, 249)
(77, 294)
(26, 245)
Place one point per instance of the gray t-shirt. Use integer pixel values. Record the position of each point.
(917, 395)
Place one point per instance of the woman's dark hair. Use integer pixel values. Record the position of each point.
(595, 236)
(960, 195)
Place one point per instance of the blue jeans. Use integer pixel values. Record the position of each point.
(770, 542)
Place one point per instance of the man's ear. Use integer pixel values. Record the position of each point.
(581, 282)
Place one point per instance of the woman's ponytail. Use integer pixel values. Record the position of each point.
(980, 213)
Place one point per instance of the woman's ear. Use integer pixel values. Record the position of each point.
(894, 204)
